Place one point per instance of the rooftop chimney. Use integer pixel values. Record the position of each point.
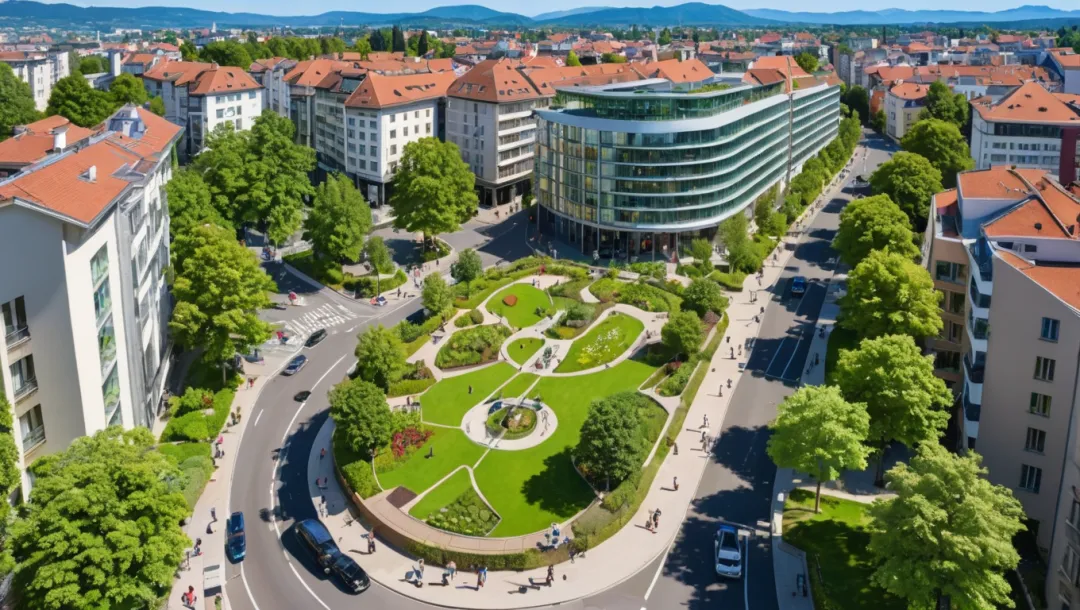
(91, 173)
(59, 138)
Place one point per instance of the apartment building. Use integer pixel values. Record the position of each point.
(85, 342)
(270, 73)
(31, 143)
(1066, 62)
(201, 96)
(40, 69)
(903, 103)
(1024, 129)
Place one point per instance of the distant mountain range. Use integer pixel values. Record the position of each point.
(31, 13)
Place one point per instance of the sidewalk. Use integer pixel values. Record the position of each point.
(206, 572)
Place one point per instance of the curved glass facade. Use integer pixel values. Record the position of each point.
(680, 180)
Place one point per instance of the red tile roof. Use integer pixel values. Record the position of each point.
(36, 141)
(494, 80)
(909, 91)
(179, 73)
(1063, 281)
(378, 91)
(689, 71)
(1030, 103)
(223, 80)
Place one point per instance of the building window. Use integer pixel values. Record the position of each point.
(1070, 564)
(1040, 404)
(951, 272)
(1074, 514)
(15, 326)
(239, 124)
(393, 134)
(372, 151)
(427, 113)
(33, 429)
(1044, 368)
(416, 114)
(220, 113)
(362, 164)
(1030, 478)
(251, 95)
(371, 124)
(393, 117)
(1050, 329)
(23, 376)
(393, 149)
(99, 265)
(1036, 440)
(102, 302)
(953, 302)
(427, 128)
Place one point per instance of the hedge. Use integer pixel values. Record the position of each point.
(409, 386)
(182, 451)
(472, 346)
(195, 426)
(197, 471)
(367, 286)
(676, 382)
(356, 470)
(642, 296)
(730, 280)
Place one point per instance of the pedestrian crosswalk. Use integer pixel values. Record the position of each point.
(324, 316)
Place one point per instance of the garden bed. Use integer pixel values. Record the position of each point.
(415, 381)
(576, 318)
(454, 506)
(603, 344)
(472, 346)
(521, 351)
(642, 296)
(521, 305)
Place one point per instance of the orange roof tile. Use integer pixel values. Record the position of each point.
(944, 200)
(993, 183)
(689, 71)
(546, 80)
(1063, 281)
(223, 80)
(1032, 218)
(909, 91)
(177, 72)
(36, 140)
(494, 80)
(379, 91)
(1029, 103)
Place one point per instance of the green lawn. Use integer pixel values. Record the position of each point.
(450, 449)
(518, 385)
(602, 344)
(521, 351)
(835, 542)
(445, 493)
(448, 401)
(839, 338)
(523, 313)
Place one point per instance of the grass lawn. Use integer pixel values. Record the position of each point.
(448, 401)
(602, 344)
(534, 487)
(445, 493)
(518, 385)
(839, 338)
(523, 313)
(521, 351)
(182, 451)
(451, 449)
(835, 542)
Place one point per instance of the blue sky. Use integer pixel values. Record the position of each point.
(288, 7)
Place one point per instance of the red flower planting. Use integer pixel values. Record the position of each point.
(409, 438)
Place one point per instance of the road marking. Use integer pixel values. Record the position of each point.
(746, 579)
(775, 354)
(251, 597)
(257, 417)
(293, 568)
(794, 353)
(656, 576)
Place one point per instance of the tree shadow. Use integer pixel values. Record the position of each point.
(558, 489)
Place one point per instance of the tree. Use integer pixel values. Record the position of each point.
(702, 251)
(438, 296)
(910, 181)
(361, 415)
(612, 58)
(380, 356)
(422, 46)
(433, 191)
(467, 268)
(157, 105)
(733, 234)
(906, 402)
(190, 203)
(397, 40)
(379, 255)
(102, 528)
(73, 98)
(9, 480)
(943, 146)
(877, 123)
(226, 53)
(91, 64)
(683, 333)
(888, 294)
(378, 42)
(665, 37)
(807, 62)
(817, 432)
(126, 89)
(873, 223)
(764, 207)
(188, 51)
(339, 219)
(363, 47)
(859, 101)
(572, 59)
(219, 288)
(944, 105)
(16, 102)
(276, 172)
(947, 534)
(222, 165)
(704, 295)
(611, 445)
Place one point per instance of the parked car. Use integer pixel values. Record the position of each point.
(314, 535)
(728, 549)
(315, 338)
(295, 365)
(798, 286)
(235, 539)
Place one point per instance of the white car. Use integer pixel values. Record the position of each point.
(728, 548)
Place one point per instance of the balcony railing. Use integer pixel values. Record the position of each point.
(26, 388)
(974, 374)
(32, 439)
(17, 336)
(972, 411)
(985, 265)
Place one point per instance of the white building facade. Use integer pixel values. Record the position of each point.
(41, 70)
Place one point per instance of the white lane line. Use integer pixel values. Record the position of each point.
(746, 579)
(775, 354)
(656, 576)
(307, 587)
(258, 417)
(251, 597)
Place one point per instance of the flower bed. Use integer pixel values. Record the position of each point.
(602, 344)
(472, 346)
(403, 444)
(642, 296)
(467, 514)
(518, 424)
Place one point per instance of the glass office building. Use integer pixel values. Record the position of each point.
(638, 169)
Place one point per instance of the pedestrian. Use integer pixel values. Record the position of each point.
(213, 514)
(648, 522)
(371, 543)
(550, 575)
(420, 569)
(238, 415)
(704, 444)
(675, 483)
(470, 390)
(733, 353)
(573, 553)
(720, 393)
(676, 446)
(452, 568)
(705, 421)
(322, 453)
(729, 383)
(399, 293)
(656, 519)
(479, 580)
(251, 382)
(191, 597)
(740, 349)
(704, 434)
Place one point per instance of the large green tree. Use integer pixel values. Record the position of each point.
(859, 101)
(817, 432)
(438, 296)
(363, 47)
(807, 62)
(943, 146)
(888, 294)
(378, 254)
(338, 220)
(572, 59)
(9, 480)
(92, 64)
(73, 98)
(361, 415)
(221, 165)
(380, 356)
(906, 401)
(910, 181)
(611, 445)
(219, 288)
(943, 104)
(704, 295)
(190, 203)
(102, 528)
(276, 173)
(433, 189)
(422, 45)
(16, 102)
(947, 535)
(226, 53)
(873, 223)
(733, 234)
(467, 268)
(127, 89)
(683, 333)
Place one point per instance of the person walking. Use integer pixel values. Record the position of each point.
(550, 575)
(322, 453)
(420, 571)
(479, 580)
(648, 522)
(213, 514)
(675, 483)
(452, 568)
(188, 597)
(656, 519)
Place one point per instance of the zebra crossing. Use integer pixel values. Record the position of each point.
(324, 316)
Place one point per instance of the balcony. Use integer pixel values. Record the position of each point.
(974, 374)
(33, 439)
(983, 264)
(17, 337)
(27, 388)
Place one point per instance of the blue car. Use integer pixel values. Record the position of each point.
(235, 539)
(295, 365)
(798, 286)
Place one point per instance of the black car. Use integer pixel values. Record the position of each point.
(295, 365)
(235, 539)
(302, 396)
(316, 338)
(314, 535)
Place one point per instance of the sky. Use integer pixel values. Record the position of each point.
(290, 7)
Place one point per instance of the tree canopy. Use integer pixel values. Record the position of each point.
(380, 356)
(378, 254)
(733, 233)
(807, 62)
(942, 144)
(683, 332)
(190, 203)
(704, 295)
(611, 445)
(226, 53)
(91, 64)
(73, 98)
(277, 176)
(947, 534)
(433, 190)
(910, 181)
(9, 480)
(817, 432)
(339, 219)
(873, 223)
(889, 294)
(17, 105)
(943, 104)
(361, 415)
(127, 89)
(467, 268)
(858, 100)
(438, 296)
(572, 59)
(102, 528)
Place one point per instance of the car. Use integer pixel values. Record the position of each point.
(235, 539)
(798, 286)
(302, 396)
(314, 535)
(728, 550)
(315, 338)
(295, 365)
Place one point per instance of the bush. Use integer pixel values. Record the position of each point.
(656, 270)
(729, 280)
(691, 271)
(642, 296)
(180, 452)
(410, 386)
(197, 472)
(676, 382)
(476, 316)
(192, 400)
(463, 321)
(526, 560)
(467, 514)
(472, 346)
(195, 425)
(369, 286)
